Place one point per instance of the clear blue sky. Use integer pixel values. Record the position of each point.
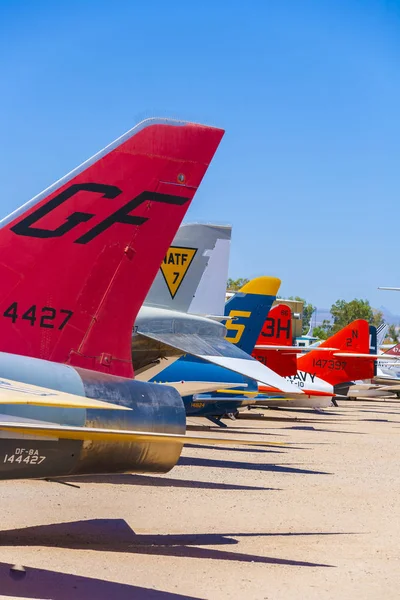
(308, 173)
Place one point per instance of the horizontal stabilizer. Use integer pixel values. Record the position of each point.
(363, 355)
(216, 400)
(291, 349)
(15, 392)
(190, 388)
(254, 370)
(373, 390)
(391, 388)
(364, 386)
(299, 395)
(121, 435)
(218, 351)
(219, 318)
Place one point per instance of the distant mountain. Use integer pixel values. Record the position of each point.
(390, 317)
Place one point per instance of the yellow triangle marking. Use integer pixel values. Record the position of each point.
(175, 266)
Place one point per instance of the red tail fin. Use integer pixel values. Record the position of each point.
(395, 351)
(277, 331)
(78, 260)
(354, 339)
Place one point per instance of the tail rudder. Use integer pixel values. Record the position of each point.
(277, 331)
(79, 258)
(354, 338)
(381, 333)
(196, 251)
(277, 327)
(249, 308)
(373, 346)
(209, 298)
(373, 339)
(311, 327)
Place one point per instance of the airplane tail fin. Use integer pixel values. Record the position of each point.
(78, 260)
(277, 327)
(381, 334)
(395, 351)
(277, 331)
(373, 339)
(249, 308)
(352, 339)
(311, 327)
(192, 277)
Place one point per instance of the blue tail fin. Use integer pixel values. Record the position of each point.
(249, 308)
(373, 340)
(373, 344)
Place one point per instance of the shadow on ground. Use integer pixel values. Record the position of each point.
(312, 428)
(148, 480)
(248, 449)
(115, 535)
(379, 420)
(231, 464)
(41, 583)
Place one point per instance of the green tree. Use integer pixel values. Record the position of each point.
(234, 285)
(323, 331)
(377, 318)
(393, 334)
(344, 313)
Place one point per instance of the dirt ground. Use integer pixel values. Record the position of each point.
(318, 519)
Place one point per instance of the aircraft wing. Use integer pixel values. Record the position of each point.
(390, 388)
(383, 357)
(365, 386)
(242, 399)
(15, 392)
(360, 389)
(270, 393)
(372, 391)
(190, 388)
(219, 318)
(293, 349)
(119, 435)
(219, 351)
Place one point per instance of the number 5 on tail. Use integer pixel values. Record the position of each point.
(237, 328)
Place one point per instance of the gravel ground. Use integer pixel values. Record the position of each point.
(317, 519)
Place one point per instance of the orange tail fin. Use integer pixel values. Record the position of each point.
(353, 339)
